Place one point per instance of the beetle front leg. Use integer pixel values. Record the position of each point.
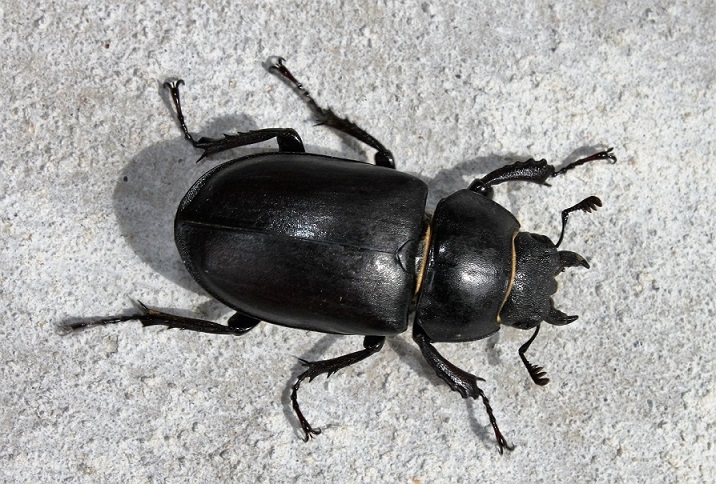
(288, 139)
(531, 171)
(372, 344)
(238, 324)
(459, 380)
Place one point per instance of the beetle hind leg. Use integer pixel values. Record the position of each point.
(238, 324)
(371, 345)
(459, 380)
(326, 116)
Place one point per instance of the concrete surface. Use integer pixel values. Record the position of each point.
(92, 166)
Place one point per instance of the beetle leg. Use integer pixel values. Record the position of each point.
(586, 205)
(537, 373)
(238, 324)
(326, 116)
(371, 344)
(459, 380)
(242, 322)
(532, 171)
(287, 138)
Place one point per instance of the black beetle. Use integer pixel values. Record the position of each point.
(341, 246)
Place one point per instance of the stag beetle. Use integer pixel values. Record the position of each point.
(341, 246)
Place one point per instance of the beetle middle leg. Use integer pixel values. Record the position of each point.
(237, 325)
(326, 116)
(459, 380)
(288, 139)
(371, 345)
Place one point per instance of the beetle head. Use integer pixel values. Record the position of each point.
(537, 262)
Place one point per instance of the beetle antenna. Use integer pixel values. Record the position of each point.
(587, 205)
(537, 373)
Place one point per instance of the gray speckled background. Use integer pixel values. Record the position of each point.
(92, 166)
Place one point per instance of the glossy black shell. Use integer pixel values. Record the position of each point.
(470, 266)
(306, 241)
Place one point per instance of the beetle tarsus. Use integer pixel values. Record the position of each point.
(371, 345)
(308, 431)
(602, 155)
(173, 87)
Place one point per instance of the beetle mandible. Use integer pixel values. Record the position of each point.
(341, 246)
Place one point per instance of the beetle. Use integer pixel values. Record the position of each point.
(341, 246)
